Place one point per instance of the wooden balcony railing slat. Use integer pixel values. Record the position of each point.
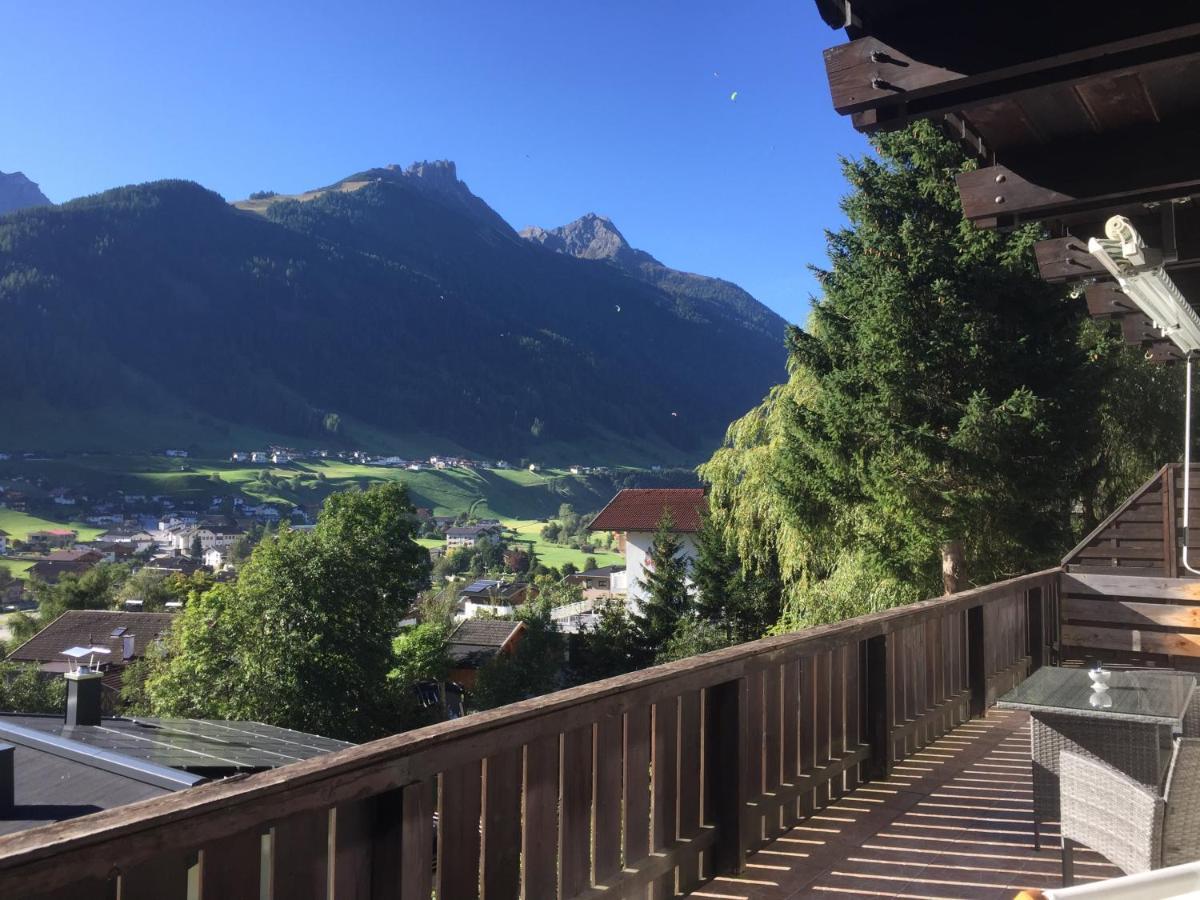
(575, 820)
(459, 845)
(637, 785)
(853, 710)
(808, 730)
(231, 865)
(539, 860)
(501, 879)
(416, 849)
(691, 785)
(790, 748)
(366, 848)
(664, 788)
(772, 745)
(837, 714)
(608, 791)
(299, 856)
(162, 878)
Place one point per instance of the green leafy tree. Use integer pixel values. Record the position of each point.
(155, 589)
(94, 588)
(535, 667)
(196, 551)
(668, 595)
(589, 563)
(24, 689)
(303, 638)
(941, 392)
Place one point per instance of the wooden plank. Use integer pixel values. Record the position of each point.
(808, 727)
(1129, 612)
(367, 847)
(1131, 640)
(853, 709)
(540, 834)
(502, 776)
(821, 719)
(1178, 590)
(665, 786)
(790, 750)
(691, 785)
(300, 856)
(162, 878)
(416, 842)
(460, 805)
(638, 746)
(837, 711)
(231, 867)
(607, 799)
(772, 728)
(575, 819)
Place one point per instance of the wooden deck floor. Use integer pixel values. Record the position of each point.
(954, 821)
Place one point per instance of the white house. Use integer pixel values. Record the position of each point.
(471, 536)
(634, 515)
(214, 558)
(258, 456)
(3, 542)
(180, 454)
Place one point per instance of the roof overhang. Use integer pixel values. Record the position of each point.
(1075, 114)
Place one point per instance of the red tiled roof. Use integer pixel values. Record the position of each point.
(641, 509)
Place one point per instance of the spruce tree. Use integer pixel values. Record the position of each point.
(668, 594)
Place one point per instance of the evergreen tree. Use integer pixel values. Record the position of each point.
(741, 604)
(668, 595)
(941, 392)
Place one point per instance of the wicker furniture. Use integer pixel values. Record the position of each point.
(1131, 825)
(1133, 733)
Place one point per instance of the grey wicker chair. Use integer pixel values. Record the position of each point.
(1133, 827)
(1191, 718)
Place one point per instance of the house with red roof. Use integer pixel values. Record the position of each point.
(634, 515)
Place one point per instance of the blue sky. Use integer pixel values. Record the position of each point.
(550, 110)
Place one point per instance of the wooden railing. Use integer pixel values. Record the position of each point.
(656, 779)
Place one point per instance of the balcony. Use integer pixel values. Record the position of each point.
(858, 758)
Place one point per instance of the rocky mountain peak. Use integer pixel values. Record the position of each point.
(18, 192)
(590, 236)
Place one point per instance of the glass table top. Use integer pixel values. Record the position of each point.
(1141, 695)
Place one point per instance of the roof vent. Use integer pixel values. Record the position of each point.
(83, 684)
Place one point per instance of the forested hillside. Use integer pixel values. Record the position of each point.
(396, 299)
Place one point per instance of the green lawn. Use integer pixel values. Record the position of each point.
(554, 555)
(19, 524)
(17, 567)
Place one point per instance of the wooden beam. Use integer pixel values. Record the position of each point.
(1086, 174)
(897, 87)
(1131, 612)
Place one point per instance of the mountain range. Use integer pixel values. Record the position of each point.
(393, 308)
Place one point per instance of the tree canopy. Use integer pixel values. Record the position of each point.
(303, 638)
(941, 392)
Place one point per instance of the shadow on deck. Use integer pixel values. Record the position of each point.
(955, 820)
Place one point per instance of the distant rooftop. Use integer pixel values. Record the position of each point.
(477, 640)
(641, 509)
(87, 627)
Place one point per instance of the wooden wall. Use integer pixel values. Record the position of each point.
(1126, 596)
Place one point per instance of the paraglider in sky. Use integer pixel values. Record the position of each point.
(733, 96)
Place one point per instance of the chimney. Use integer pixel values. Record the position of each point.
(8, 779)
(83, 697)
(127, 646)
